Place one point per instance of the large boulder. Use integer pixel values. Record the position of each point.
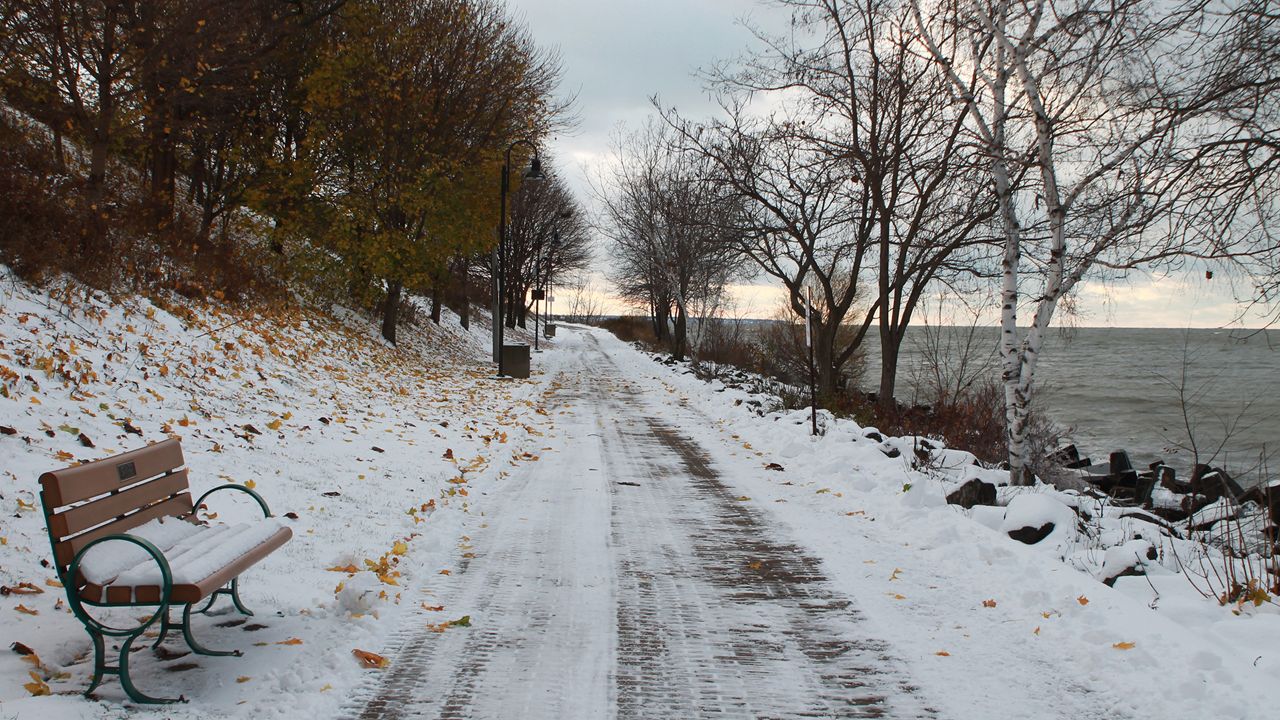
(973, 492)
(1169, 479)
(1036, 518)
(1265, 497)
(1068, 457)
(1126, 560)
(1214, 513)
(1213, 483)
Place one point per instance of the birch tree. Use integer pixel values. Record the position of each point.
(1091, 103)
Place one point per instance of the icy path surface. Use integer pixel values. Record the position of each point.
(620, 577)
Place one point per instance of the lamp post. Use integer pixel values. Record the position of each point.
(499, 285)
(540, 282)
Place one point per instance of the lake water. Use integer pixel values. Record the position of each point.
(1115, 388)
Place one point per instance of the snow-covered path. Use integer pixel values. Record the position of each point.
(626, 539)
(621, 578)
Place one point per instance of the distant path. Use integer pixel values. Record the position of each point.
(620, 578)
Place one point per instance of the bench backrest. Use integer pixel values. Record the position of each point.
(114, 495)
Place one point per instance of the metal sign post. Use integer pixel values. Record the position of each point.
(808, 341)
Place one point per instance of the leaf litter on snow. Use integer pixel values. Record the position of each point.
(270, 401)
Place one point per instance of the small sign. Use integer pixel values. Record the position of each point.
(539, 294)
(126, 471)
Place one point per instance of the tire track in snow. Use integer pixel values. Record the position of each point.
(716, 618)
(664, 597)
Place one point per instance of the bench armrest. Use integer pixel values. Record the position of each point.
(73, 593)
(266, 511)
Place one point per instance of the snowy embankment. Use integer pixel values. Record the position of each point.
(375, 456)
(995, 627)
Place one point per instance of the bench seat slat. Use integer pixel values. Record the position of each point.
(190, 592)
(83, 517)
(73, 484)
(178, 506)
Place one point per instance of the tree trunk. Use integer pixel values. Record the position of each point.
(435, 304)
(664, 315)
(680, 343)
(458, 288)
(824, 359)
(101, 135)
(890, 349)
(390, 310)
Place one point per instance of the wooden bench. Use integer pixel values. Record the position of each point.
(124, 533)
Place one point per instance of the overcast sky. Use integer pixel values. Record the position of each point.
(619, 53)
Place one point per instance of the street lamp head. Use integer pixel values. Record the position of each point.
(535, 169)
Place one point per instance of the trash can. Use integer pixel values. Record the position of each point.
(549, 331)
(515, 360)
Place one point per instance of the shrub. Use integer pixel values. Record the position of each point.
(630, 328)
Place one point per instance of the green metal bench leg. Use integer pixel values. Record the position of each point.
(99, 661)
(196, 647)
(98, 631)
(165, 626)
(234, 591)
(127, 684)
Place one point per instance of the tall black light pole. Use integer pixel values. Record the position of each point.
(541, 273)
(499, 285)
(537, 295)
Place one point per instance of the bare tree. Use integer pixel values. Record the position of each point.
(547, 233)
(889, 118)
(584, 299)
(673, 238)
(1084, 109)
(1237, 170)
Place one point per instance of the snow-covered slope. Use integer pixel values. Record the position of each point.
(372, 454)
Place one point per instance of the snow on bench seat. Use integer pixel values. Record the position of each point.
(202, 558)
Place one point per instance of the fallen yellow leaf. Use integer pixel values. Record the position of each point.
(37, 686)
(24, 588)
(400, 548)
(250, 484)
(445, 572)
(943, 653)
(26, 610)
(290, 641)
(1123, 645)
(242, 679)
(1082, 600)
(370, 660)
(988, 603)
